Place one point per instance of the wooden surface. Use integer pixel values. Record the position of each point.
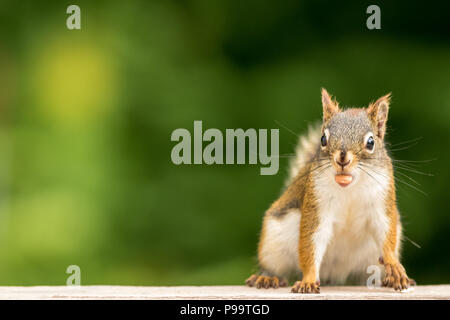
(217, 292)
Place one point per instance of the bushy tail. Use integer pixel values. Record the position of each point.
(305, 151)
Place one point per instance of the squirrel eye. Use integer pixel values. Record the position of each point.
(323, 140)
(370, 143)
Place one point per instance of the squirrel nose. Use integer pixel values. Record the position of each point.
(341, 161)
(343, 164)
(342, 156)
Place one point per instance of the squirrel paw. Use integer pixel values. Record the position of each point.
(306, 287)
(396, 277)
(260, 281)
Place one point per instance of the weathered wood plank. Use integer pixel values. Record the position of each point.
(217, 292)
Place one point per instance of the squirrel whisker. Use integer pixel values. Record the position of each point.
(405, 142)
(396, 179)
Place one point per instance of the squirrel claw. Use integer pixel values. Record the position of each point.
(306, 287)
(396, 277)
(265, 282)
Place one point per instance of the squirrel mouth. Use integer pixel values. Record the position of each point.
(343, 179)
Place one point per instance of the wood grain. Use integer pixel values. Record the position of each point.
(440, 292)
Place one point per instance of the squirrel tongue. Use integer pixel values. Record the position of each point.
(343, 179)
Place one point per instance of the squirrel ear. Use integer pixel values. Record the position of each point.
(378, 113)
(330, 107)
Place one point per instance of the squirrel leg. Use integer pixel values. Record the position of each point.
(395, 274)
(277, 249)
(313, 241)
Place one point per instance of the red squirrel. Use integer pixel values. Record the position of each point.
(338, 213)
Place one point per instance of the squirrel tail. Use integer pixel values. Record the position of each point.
(305, 151)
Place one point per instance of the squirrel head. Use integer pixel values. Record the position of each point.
(353, 139)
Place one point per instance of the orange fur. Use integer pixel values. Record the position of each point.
(308, 226)
(300, 194)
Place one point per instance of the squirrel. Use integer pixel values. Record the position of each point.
(338, 212)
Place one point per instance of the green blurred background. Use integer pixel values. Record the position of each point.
(86, 176)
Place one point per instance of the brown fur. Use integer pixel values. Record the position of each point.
(300, 193)
(308, 226)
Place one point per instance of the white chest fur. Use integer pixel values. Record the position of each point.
(352, 224)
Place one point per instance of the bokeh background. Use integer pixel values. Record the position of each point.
(86, 116)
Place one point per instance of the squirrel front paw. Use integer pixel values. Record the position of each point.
(306, 287)
(260, 281)
(396, 277)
